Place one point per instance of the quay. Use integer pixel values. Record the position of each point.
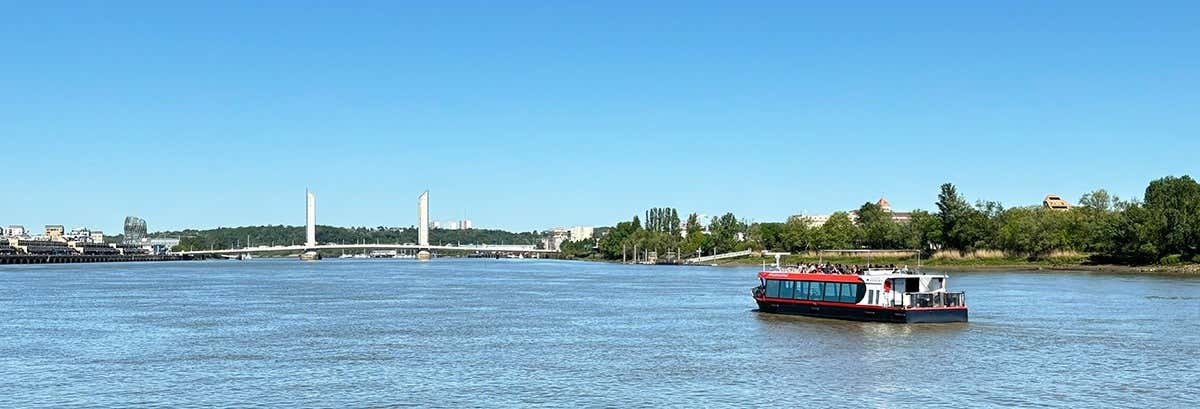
(83, 258)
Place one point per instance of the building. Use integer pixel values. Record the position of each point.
(556, 238)
(452, 224)
(97, 236)
(159, 246)
(898, 217)
(820, 219)
(814, 220)
(578, 233)
(79, 235)
(135, 229)
(1055, 202)
(55, 232)
(14, 231)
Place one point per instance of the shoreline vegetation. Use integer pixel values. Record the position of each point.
(1159, 233)
(987, 261)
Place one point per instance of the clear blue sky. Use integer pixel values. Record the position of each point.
(529, 115)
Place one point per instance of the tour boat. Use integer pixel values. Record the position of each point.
(886, 295)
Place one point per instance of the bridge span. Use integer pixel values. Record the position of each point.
(299, 248)
(309, 250)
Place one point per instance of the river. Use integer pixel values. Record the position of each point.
(495, 333)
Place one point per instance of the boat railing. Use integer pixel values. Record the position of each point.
(759, 291)
(935, 299)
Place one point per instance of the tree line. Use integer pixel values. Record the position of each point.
(231, 237)
(1164, 227)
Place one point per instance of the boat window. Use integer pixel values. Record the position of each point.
(849, 293)
(773, 288)
(815, 290)
(785, 289)
(831, 291)
(801, 290)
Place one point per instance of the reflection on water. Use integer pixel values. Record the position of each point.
(800, 324)
(280, 333)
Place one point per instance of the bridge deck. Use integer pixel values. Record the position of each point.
(268, 249)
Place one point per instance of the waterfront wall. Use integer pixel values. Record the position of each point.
(75, 258)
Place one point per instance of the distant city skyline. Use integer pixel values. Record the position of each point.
(533, 116)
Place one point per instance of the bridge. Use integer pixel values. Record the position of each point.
(310, 248)
(486, 248)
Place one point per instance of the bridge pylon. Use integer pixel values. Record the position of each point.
(310, 227)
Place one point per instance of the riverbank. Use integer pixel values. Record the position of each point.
(83, 258)
(985, 264)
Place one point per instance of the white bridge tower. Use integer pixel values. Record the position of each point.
(423, 226)
(310, 227)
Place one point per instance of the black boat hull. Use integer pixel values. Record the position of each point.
(911, 316)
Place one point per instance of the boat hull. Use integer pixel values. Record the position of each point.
(911, 316)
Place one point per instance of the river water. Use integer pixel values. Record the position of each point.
(466, 333)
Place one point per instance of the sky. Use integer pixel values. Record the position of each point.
(529, 115)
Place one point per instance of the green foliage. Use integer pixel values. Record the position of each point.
(798, 236)
(878, 230)
(1098, 200)
(1171, 259)
(838, 232)
(924, 231)
(580, 249)
(619, 239)
(1035, 231)
(1165, 229)
(724, 233)
(230, 237)
(768, 236)
(1174, 208)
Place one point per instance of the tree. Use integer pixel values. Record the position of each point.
(879, 231)
(1034, 231)
(1174, 209)
(838, 232)
(952, 211)
(693, 225)
(619, 239)
(1128, 236)
(768, 236)
(924, 231)
(1098, 200)
(798, 235)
